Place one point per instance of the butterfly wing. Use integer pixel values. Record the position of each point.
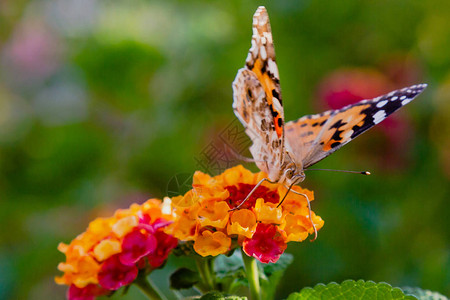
(317, 136)
(257, 99)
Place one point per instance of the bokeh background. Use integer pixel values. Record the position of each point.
(103, 102)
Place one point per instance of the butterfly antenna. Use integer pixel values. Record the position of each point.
(344, 171)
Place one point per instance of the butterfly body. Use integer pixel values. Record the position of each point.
(285, 150)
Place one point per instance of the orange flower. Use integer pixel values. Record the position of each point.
(212, 243)
(242, 222)
(111, 251)
(214, 213)
(204, 215)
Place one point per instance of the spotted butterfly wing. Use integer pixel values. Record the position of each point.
(258, 105)
(257, 99)
(314, 137)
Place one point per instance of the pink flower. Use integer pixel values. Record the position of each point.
(164, 245)
(136, 245)
(34, 52)
(114, 274)
(266, 245)
(89, 292)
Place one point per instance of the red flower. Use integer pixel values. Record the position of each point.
(267, 243)
(114, 274)
(240, 192)
(165, 243)
(262, 227)
(89, 292)
(136, 245)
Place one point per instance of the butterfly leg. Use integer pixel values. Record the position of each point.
(309, 209)
(251, 192)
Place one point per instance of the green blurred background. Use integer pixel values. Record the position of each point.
(103, 102)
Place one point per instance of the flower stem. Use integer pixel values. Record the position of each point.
(251, 269)
(205, 268)
(148, 289)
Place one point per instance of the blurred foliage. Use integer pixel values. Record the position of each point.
(103, 102)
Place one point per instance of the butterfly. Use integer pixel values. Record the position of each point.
(285, 150)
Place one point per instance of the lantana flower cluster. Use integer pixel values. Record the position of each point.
(112, 251)
(205, 215)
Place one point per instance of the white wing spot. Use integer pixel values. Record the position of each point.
(406, 101)
(394, 98)
(382, 103)
(249, 57)
(263, 40)
(263, 53)
(379, 116)
(402, 97)
(253, 47)
(261, 22)
(277, 104)
(273, 68)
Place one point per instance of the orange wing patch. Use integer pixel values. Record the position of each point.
(261, 61)
(257, 99)
(306, 129)
(341, 130)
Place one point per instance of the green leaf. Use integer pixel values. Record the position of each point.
(183, 278)
(423, 294)
(220, 296)
(228, 265)
(230, 272)
(350, 289)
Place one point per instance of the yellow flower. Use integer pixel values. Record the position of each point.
(111, 251)
(268, 212)
(214, 213)
(205, 214)
(242, 222)
(212, 243)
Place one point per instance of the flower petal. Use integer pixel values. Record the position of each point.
(114, 274)
(136, 245)
(242, 222)
(267, 243)
(212, 243)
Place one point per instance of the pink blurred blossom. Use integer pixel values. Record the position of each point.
(347, 86)
(33, 53)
